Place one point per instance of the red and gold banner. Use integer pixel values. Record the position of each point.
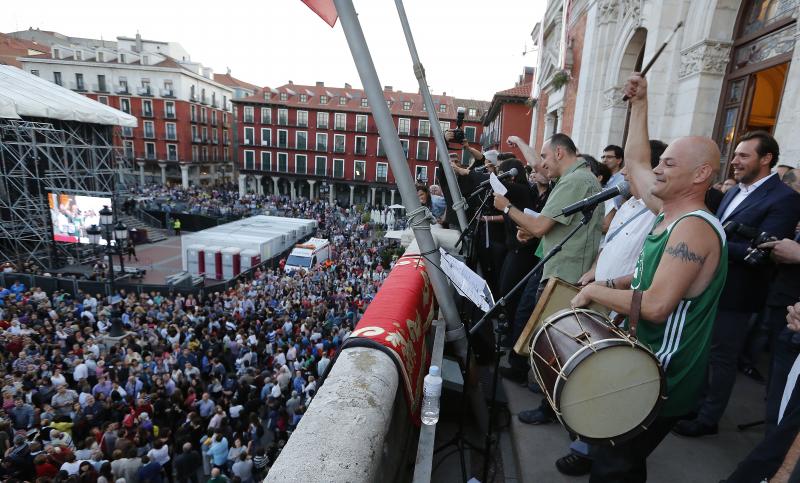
(397, 321)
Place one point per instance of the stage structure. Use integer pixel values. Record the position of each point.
(52, 140)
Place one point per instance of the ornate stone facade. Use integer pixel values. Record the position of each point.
(613, 97)
(633, 9)
(607, 11)
(706, 57)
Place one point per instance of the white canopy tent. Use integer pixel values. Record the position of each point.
(26, 95)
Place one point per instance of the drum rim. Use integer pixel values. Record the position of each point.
(572, 364)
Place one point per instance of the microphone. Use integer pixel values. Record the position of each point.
(622, 189)
(508, 174)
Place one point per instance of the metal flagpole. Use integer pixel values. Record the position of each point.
(438, 135)
(394, 151)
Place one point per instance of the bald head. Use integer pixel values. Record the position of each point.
(687, 168)
(702, 150)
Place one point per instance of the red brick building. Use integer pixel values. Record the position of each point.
(317, 141)
(509, 115)
(184, 133)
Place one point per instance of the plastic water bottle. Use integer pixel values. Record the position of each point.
(432, 390)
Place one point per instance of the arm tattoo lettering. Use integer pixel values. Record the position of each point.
(681, 251)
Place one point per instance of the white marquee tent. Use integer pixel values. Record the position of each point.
(26, 95)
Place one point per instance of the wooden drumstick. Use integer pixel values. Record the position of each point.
(658, 53)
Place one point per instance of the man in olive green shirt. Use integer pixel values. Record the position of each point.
(575, 182)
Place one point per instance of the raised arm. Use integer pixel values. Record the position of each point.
(531, 156)
(637, 146)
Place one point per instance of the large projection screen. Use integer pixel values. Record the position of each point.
(73, 214)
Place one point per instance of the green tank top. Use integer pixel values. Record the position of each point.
(681, 344)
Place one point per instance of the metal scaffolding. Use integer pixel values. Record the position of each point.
(42, 156)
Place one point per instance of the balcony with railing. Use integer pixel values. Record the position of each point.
(77, 86)
(151, 156)
(144, 91)
(167, 92)
(169, 114)
(122, 89)
(101, 88)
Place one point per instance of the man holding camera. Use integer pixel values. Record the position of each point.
(761, 205)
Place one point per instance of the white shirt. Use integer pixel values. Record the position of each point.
(160, 456)
(744, 192)
(80, 372)
(619, 255)
(72, 468)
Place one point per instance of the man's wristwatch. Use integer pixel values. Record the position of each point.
(507, 208)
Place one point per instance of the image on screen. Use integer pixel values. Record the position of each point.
(72, 215)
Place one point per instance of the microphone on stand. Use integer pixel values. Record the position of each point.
(508, 174)
(622, 189)
(484, 184)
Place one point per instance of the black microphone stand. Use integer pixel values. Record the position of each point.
(459, 439)
(470, 234)
(489, 440)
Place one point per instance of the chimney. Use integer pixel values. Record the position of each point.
(347, 86)
(138, 42)
(387, 88)
(320, 84)
(527, 75)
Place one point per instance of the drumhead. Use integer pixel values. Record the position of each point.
(611, 393)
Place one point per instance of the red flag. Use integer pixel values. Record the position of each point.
(325, 9)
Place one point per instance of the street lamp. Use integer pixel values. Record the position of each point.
(118, 232)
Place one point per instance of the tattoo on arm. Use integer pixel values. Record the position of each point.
(681, 251)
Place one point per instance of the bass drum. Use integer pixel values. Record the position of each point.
(604, 385)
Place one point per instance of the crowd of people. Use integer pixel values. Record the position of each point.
(217, 201)
(200, 388)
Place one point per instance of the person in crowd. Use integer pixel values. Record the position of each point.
(187, 464)
(617, 259)
(677, 282)
(559, 159)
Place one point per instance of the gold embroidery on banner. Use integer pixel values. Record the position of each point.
(368, 331)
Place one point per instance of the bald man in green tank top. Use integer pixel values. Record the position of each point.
(677, 282)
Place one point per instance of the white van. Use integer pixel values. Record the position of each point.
(307, 255)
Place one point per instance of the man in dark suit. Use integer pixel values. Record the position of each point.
(760, 201)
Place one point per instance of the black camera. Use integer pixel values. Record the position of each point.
(755, 255)
(458, 132)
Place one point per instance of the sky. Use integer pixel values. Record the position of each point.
(469, 48)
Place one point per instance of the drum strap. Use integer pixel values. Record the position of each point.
(636, 308)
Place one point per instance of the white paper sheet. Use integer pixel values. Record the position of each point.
(497, 185)
(467, 282)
